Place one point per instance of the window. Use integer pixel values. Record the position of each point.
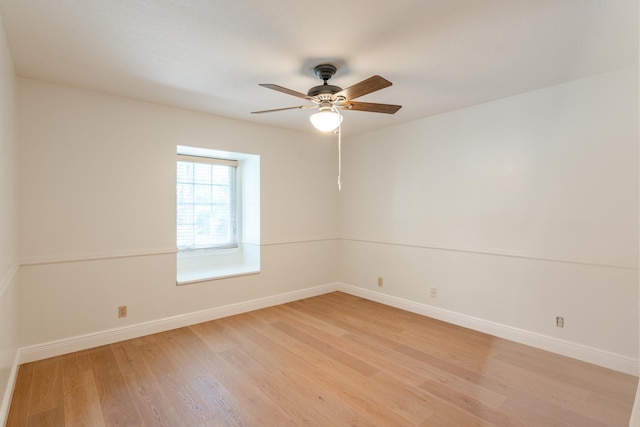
(217, 214)
(206, 203)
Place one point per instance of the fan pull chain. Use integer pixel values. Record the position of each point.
(339, 153)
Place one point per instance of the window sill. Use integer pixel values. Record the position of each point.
(215, 273)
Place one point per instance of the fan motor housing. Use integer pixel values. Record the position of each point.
(325, 72)
(323, 90)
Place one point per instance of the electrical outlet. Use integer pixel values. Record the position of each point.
(380, 281)
(434, 293)
(122, 311)
(560, 322)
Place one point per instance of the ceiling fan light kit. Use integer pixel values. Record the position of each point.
(326, 119)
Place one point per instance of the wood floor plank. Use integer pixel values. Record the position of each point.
(457, 418)
(115, 401)
(401, 399)
(188, 402)
(146, 392)
(357, 397)
(554, 391)
(331, 360)
(297, 311)
(499, 386)
(75, 363)
(328, 349)
(349, 319)
(53, 417)
(46, 389)
(608, 409)
(354, 388)
(531, 416)
(245, 335)
(570, 371)
(314, 396)
(193, 357)
(413, 373)
(250, 391)
(213, 334)
(279, 390)
(81, 400)
(471, 405)
(324, 397)
(19, 410)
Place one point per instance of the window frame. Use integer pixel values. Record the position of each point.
(200, 266)
(234, 186)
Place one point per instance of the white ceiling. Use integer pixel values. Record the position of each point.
(210, 55)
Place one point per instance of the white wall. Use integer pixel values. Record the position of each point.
(97, 180)
(8, 253)
(517, 211)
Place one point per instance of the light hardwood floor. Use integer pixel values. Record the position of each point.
(332, 360)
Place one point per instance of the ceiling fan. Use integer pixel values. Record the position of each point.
(328, 99)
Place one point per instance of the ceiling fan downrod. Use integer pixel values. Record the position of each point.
(325, 71)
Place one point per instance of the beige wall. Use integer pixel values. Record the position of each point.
(517, 211)
(97, 180)
(8, 254)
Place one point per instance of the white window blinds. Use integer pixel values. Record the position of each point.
(206, 203)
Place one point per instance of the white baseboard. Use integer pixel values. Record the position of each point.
(8, 392)
(566, 348)
(83, 342)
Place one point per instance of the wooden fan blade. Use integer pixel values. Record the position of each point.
(369, 85)
(285, 90)
(371, 107)
(283, 109)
